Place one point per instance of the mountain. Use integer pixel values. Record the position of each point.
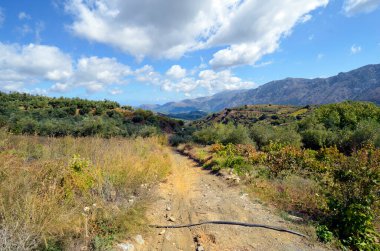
(360, 84)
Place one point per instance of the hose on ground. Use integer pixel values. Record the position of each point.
(231, 223)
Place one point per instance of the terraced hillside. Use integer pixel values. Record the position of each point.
(264, 114)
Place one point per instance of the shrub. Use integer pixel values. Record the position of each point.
(366, 132)
(220, 133)
(324, 234)
(352, 195)
(147, 131)
(315, 138)
(262, 135)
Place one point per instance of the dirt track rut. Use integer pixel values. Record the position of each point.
(191, 195)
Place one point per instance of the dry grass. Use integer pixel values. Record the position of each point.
(291, 194)
(50, 187)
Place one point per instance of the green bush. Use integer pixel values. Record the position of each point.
(366, 132)
(263, 135)
(352, 190)
(347, 125)
(315, 138)
(220, 133)
(324, 234)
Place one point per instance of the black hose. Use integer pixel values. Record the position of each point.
(231, 223)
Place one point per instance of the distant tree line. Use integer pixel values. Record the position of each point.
(23, 113)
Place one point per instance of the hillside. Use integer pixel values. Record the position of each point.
(362, 84)
(45, 116)
(251, 114)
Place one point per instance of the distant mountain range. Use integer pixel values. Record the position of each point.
(360, 84)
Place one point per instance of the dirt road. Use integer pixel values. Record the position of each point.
(191, 195)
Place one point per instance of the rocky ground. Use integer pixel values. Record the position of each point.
(192, 195)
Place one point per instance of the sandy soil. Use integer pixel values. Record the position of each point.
(191, 195)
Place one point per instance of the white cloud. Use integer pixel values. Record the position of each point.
(211, 80)
(247, 29)
(355, 49)
(147, 74)
(2, 17)
(176, 72)
(24, 16)
(95, 74)
(354, 7)
(222, 80)
(24, 65)
(31, 63)
(256, 29)
(101, 70)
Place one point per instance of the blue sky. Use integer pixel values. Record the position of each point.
(139, 52)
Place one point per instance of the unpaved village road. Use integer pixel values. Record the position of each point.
(191, 195)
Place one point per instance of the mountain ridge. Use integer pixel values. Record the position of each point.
(361, 84)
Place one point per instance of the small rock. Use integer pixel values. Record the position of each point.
(200, 248)
(130, 200)
(168, 208)
(172, 219)
(126, 247)
(162, 232)
(139, 239)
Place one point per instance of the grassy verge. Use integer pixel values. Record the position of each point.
(65, 193)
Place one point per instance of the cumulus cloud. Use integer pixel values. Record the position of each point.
(148, 75)
(355, 49)
(245, 29)
(211, 80)
(176, 72)
(354, 7)
(30, 63)
(188, 81)
(95, 74)
(23, 67)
